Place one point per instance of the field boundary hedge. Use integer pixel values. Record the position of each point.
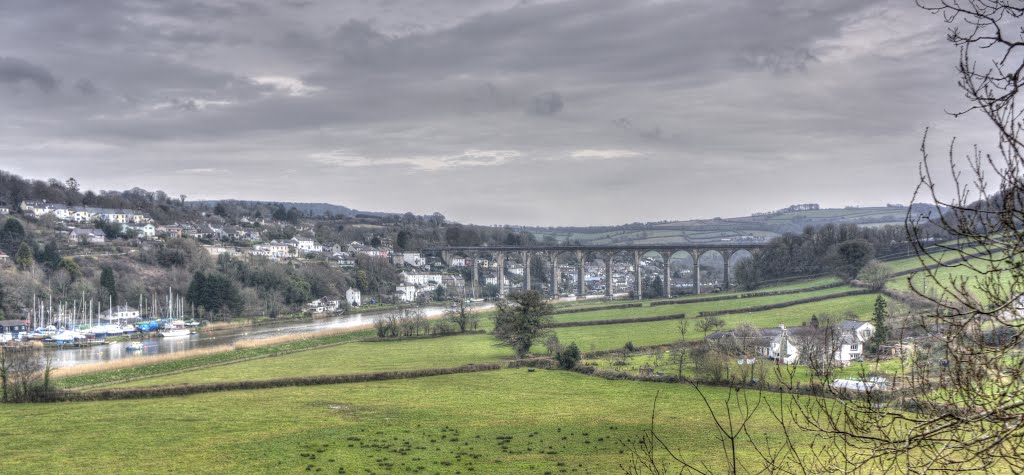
(747, 295)
(596, 309)
(790, 303)
(617, 321)
(188, 389)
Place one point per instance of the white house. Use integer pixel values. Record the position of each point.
(121, 312)
(783, 343)
(406, 292)
(272, 249)
(413, 259)
(354, 297)
(304, 245)
(458, 261)
(420, 278)
(146, 231)
(344, 259)
(323, 305)
(5, 210)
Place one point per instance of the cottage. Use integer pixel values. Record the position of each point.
(13, 327)
(87, 236)
(784, 346)
(4, 257)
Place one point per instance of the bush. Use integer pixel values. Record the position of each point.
(629, 347)
(568, 357)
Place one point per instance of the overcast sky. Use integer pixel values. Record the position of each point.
(527, 112)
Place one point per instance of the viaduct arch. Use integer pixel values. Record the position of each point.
(583, 254)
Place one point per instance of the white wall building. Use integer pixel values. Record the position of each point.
(354, 297)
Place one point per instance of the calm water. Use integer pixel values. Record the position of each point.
(159, 345)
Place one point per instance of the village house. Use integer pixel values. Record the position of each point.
(359, 248)
(413, 259)
(354, 297)
(304, 245)
(218, 250)
(4, 257)
(406, 292)
(273, 249)
(13, 327)
(147, 231)
(783, 344)
(87, 236)
(323, 305)
(420, 278)
(344, 259)
(121, 312)
(458, 261)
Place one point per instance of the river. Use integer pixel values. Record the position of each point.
(67, 357)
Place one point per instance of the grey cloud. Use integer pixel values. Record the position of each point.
(806, 90)
(86, 87)
(16, 70)
(545, 104)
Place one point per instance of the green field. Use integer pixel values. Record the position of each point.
(357, 357)
(691, 309)
(554, 420)
(607, 337)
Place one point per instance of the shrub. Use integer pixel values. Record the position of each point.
(568, 357)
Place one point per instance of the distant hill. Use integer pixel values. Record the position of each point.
(757, 228)
(307, 209)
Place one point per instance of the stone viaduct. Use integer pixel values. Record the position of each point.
(582, 253)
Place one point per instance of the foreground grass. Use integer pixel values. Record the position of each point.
(509, 421)
(354, 357)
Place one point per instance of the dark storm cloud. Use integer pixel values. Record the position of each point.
(16, 70)
(798, 100)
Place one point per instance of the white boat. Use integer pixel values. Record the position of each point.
(166, 332)
(134, 346)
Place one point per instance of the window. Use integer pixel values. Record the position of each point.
(854, 347)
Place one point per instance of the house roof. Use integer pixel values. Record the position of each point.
(850, 325)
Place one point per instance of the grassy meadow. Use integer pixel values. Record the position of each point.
(509, 421)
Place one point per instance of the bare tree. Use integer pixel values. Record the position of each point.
(461, 314)
(956, 406)
(818, 344)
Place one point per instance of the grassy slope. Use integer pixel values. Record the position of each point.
(267, 431)
(604, 337)
(691, 309)
(358, 357)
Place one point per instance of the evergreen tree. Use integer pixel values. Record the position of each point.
(881, 314)
(520, 319)
(51, 255)
(24, 259)
(11, 236)
(107, 282)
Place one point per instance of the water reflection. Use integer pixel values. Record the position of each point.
(219, 337)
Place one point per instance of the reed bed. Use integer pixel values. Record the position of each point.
(196, 352)
(138, 361)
